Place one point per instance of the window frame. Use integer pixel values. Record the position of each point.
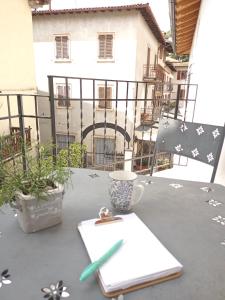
(64, 134)
(181, 75)
(62, 59)
(106, 59)
(64, 96)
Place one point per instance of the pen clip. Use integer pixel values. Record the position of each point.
(105, 216)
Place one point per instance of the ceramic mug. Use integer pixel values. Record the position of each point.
(124, 191)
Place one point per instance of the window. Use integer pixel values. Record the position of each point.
(182, 94)
(105, 103)
(181, 75)
(63, 101)
(161, 52)
(62, 140)
(105, 46)
(62, 47)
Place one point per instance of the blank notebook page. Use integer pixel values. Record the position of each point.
(141, 258)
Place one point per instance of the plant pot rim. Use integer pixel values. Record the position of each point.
(59, 188)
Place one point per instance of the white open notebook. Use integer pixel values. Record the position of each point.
(141, 258)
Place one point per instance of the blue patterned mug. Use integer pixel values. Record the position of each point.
(124, 191)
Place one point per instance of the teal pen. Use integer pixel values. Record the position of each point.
(90, 269)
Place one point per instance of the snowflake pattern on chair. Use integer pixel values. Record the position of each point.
(195, 152)
(210, 157)
(200, 130)
(193, 140)
(215, 133)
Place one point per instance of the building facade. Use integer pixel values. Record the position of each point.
(115, 43)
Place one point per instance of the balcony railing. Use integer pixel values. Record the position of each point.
(153, 72)
(108, 134)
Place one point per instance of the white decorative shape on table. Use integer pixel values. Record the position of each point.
(4, 278)
(176, 185)
(166, 124)
(219, 219)
(178, 148)
(183, 127)
(206, 189)
(214, 202)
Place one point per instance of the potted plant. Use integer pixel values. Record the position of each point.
(37, 191)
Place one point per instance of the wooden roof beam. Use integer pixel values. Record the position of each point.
(186, 40)
(184, 45)
(188, 19)
(185, 50)
(186, 6)
(184, 12)
(184, 27)
(186, 32)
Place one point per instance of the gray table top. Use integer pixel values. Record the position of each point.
(185, 216)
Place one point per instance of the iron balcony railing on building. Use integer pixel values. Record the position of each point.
(11, 143)
(115, 136)
(153, 72)
(168, 87)
(150, 116)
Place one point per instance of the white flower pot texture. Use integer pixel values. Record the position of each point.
(36, 214)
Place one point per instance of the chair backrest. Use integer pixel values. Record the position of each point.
(198, 141)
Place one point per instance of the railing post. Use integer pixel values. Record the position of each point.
(52, 112)
(22, 130)
(177, 102)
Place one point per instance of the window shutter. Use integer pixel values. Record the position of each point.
(62, 95)
(109, 97)
(58, 46)
(60, 91)
(105, 103)
(65, 47)
(105, 45)
(101, 94)
(101, 46)
(109, 44)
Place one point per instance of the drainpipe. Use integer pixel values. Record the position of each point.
(172, 8)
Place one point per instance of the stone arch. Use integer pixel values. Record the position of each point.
(107, 125)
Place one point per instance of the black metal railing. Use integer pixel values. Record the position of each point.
(114, 122)
(153, 72)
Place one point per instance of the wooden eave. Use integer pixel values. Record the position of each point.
(186, 15)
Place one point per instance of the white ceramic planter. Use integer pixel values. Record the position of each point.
(37, 214)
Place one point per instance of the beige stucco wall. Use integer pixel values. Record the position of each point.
(16, 51)
(17, 74)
